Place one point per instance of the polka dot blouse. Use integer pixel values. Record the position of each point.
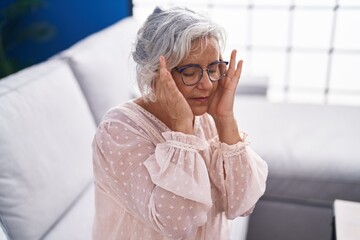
(155, 184)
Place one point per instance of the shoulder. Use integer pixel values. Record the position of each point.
(119, 118)
(118, 113)
(131, 120)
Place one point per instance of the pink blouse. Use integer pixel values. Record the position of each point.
(153, 183)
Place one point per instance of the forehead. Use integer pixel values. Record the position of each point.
(203, 50)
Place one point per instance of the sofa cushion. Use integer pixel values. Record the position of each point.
(76, 222)
(45, 148)
(104, 66)
(312, 150)
(289, 221)
(2, 232)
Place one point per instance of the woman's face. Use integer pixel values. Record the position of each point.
(200, 95)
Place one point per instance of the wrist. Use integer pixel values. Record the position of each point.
(184, 126)
(227, 130)
(225, 120)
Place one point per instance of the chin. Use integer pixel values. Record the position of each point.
(198, 111)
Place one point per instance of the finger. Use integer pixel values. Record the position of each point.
(238, 70)
(162, 62)
(232, 62)
(161, 77)
(163, 69)
(165, 74)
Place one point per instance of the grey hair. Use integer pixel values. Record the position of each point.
(169, 33)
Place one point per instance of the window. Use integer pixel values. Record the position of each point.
(309, 50)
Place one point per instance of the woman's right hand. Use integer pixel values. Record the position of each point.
(172, 101)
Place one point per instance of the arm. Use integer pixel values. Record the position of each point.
(237, 172)
(239, 175)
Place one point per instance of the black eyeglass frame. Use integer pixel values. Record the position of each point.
(182, 69)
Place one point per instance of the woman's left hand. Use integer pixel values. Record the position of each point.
(222, 104)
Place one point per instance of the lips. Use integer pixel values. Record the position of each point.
(201, 99)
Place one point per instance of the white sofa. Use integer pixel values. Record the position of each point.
(49, 112)
(48, 115)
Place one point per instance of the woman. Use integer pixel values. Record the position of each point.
(172, 164)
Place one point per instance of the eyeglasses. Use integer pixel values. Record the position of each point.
(192, 74)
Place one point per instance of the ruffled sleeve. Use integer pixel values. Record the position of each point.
(239, 175)
(179, 168)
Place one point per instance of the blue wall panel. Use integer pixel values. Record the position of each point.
(72, 21)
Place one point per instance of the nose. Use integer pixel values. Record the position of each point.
(205, 82)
